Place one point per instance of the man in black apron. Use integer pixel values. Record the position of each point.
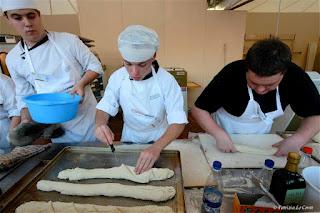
(247, 95)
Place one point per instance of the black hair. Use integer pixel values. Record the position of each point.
(268, 57)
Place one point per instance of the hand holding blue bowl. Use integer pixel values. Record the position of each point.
(51, 108)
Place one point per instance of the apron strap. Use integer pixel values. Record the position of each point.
(250, 93)
(29, 61)
(63, 53)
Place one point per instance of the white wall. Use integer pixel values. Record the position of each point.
(190, 36)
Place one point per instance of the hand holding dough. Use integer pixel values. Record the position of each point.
(154, 193)
(62, 207)
(121, 172)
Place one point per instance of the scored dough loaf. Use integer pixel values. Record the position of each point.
(142, 192)
(122, 172)
(62, 207)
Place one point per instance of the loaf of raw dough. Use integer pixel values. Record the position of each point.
(142, 192)
(255, 150)
(316, 138)
(62, 207)
(122, 172)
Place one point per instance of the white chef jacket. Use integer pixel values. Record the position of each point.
(8, 108)
(149, 106)
(60, 62)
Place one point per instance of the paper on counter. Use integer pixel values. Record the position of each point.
(195, 168)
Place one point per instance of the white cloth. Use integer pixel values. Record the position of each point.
(252, 121)
(149, 106)
(17, 4)
(58, 64)
(8, 108)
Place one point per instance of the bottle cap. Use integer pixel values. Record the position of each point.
(307, 150)
(216, 165)
(269, 163)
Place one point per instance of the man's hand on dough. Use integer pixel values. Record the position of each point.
(147, 159)
(285, 146)
(225, 145)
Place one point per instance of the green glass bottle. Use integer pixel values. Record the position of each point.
(287, 185)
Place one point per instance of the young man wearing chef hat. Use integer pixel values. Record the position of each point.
(150, 98)
(247, 95)
(45, 62)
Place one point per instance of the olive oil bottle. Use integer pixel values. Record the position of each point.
(287, 185)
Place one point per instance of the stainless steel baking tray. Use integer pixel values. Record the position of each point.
(99, 157)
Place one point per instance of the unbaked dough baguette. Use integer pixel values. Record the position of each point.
(142, 192)
(316, 138)
(62, 207)
(122, 172)
(255, 150)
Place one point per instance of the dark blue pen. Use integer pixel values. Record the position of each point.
(112, 148)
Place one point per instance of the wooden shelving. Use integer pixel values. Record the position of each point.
(289, 39)
(192, 85)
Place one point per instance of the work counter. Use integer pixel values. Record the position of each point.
(195, 164)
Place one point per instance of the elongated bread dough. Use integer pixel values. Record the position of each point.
(255, 150)
(142, 192)
(316, 138)
(121, 172)
(62, 207)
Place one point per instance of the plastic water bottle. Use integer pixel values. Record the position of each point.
(212, 192)
(306, 157)
(265, 174)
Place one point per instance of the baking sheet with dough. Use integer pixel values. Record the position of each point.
(242, 160)
(195, 168)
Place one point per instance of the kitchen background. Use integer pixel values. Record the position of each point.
(199, 40)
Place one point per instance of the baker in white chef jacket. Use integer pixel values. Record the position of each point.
(150, 98)
(45, 62)
(9, 114)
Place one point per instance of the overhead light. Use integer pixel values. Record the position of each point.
(214, 5)
(222, 4)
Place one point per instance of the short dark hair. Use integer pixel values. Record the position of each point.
(268, 57)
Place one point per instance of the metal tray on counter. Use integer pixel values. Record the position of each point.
(98, 157)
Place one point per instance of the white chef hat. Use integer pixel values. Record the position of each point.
(138, 43)
(7, 5)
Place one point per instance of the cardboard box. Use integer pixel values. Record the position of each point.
(179, 74)
(245, 203)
